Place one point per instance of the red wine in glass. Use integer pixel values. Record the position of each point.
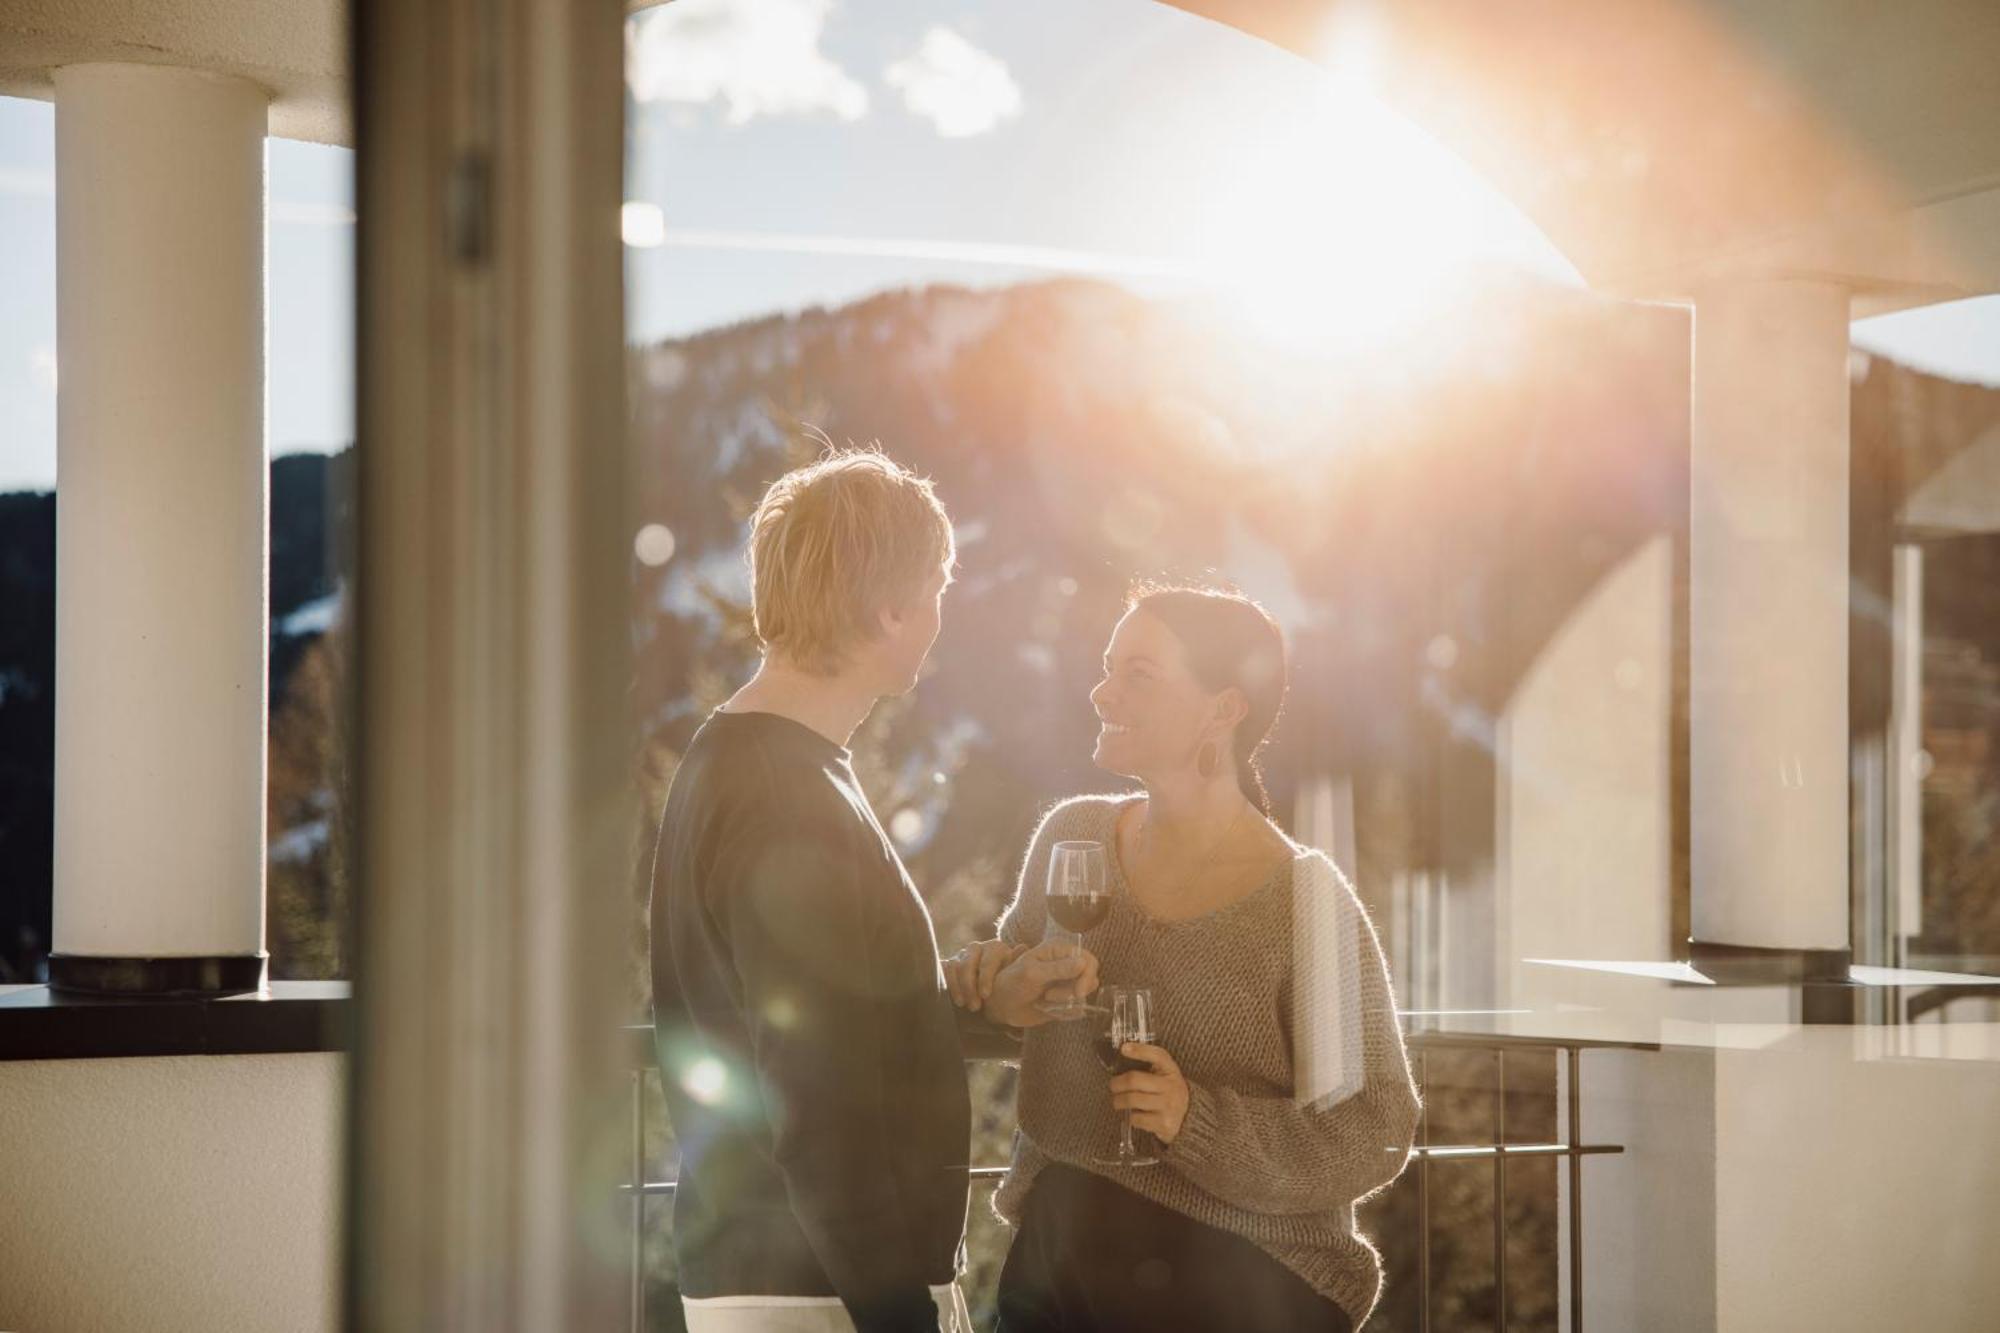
(1077, 899)
(1078, 912)
(1108, 1056)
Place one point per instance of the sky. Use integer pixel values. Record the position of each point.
(310, 257)
(788, 153)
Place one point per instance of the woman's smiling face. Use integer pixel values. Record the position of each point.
(1151, 709)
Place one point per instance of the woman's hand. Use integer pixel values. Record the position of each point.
(969, 973)
(1158, 1100)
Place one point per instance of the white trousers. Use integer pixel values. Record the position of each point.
(804, 1314)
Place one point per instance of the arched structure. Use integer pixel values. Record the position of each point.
(1664, 145)
(1783, 170)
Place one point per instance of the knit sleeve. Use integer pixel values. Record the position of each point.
(1307, 1152)
(1010, 1198)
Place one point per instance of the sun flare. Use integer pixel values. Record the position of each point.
(1346, 226)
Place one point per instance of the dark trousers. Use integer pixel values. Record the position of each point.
(1092, 1257)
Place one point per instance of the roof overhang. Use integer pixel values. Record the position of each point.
(296, 49)
(1666, 144)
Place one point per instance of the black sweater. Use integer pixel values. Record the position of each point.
(809, 1053)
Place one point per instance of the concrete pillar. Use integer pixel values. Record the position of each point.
(1768, 619)
(161, 598)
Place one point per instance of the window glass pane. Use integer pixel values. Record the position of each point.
(27, 533)
(312, 527)
(1133, 322)
(1149, 298)
(1925, 415)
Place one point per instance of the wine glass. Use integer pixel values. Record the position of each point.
(1131, 1019)
(1078, 900)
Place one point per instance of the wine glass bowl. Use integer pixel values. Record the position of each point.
(1078, 899)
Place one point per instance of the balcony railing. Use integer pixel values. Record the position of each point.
(1425, 1155)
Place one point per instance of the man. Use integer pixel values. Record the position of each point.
(811, 1060)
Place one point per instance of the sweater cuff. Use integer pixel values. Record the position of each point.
(1200, 1130)
(981, 1037)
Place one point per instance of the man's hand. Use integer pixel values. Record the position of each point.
(1051, 971)
(969, 973)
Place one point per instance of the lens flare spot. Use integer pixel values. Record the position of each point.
(643, 225)
(654, 545)
(706, 1081)
(906, 826)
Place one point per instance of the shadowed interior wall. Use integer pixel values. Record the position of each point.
(196, 1193)
(1584, 835)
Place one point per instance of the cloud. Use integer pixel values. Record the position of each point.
(756, 57)
(959, 88)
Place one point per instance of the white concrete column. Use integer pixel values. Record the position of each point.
(1768, 611)
(162, 516)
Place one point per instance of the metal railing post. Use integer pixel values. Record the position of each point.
(1424, 1194)
(1500, 1190)
(1574, 1138)
(638, 1200)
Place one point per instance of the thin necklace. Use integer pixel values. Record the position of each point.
(1208, 856)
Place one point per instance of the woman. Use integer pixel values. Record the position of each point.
(1279, 1088)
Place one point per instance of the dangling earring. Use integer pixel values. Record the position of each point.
(1207, 758)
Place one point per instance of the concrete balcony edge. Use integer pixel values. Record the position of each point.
(287, 1017)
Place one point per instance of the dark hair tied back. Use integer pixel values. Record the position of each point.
(1229, 640)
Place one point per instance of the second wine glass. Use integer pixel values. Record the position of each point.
(1131, 1019)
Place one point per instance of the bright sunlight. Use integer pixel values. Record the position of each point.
(1347, 226)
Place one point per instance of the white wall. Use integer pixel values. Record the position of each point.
(1853, 1191)
(1795, 1178)
(171, 1193)
(1775, 1176)
(1649, 1221)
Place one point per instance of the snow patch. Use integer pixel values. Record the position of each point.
(315, 617)
(954, 322)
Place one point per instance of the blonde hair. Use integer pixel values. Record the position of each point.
(834, 544)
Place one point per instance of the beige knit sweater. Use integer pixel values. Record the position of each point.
(1278, 1010)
